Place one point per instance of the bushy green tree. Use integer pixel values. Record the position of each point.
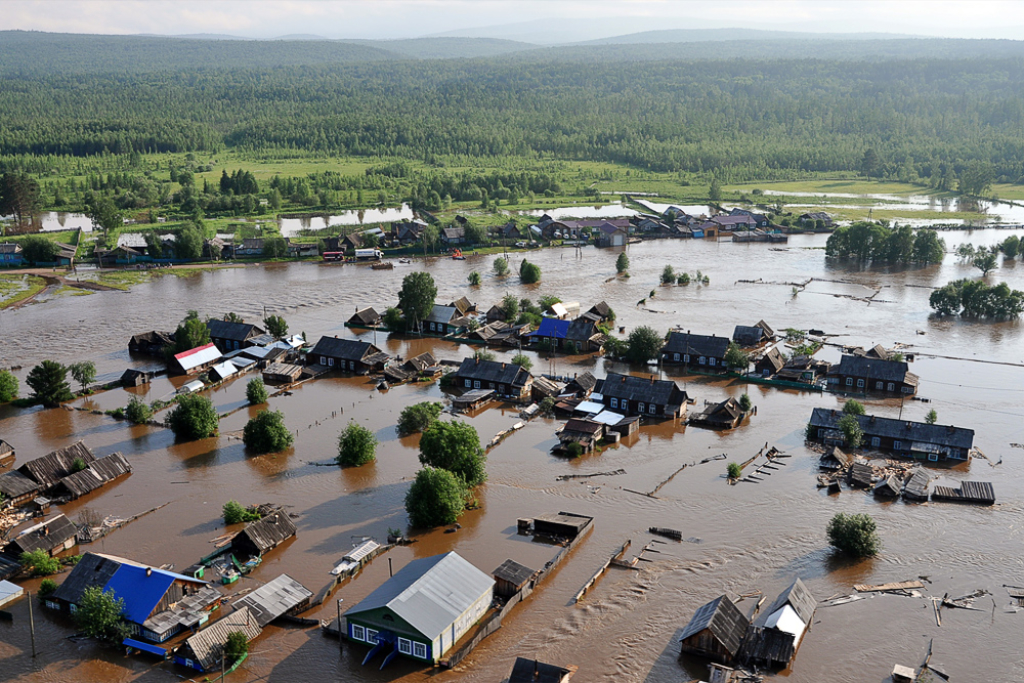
(8, 386)
(852, 433)
(191, 333)
(529, 273)
(501, 266)
(267, 432)
(276, 325)
(357, 446)
(419, 416)
(1010, 247)
(734, 470)
(668, 276)
(523, 361)
(435, 498)
(416, 298)
(986, 262)
(975, 299)
(101, 615)
(483, 354)
(735, 358)
(47, 587)
(855, 535)
(622, 263)
(932, 417)
(236, 647)
(275, 247)
(454, 446)
(474, 279)
(256, 392)
(188, 245)
(643, 344)
(234, 513)
(853, 407)
(49, 384)
(194, 417)
(39, 563)
(393, 320)
(38, 249)
(137, 411)
(745, 403)
(83, 372)
(510, 307)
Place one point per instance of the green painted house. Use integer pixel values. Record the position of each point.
(423, 610)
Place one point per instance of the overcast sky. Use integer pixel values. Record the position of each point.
(411, 18)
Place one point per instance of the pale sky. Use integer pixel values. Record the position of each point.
(599, 18)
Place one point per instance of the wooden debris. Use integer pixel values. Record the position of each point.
(566, 477)
(667, 533)
(887, 587)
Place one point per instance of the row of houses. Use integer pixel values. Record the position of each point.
(65, 474)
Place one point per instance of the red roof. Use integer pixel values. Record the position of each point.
(186, 354)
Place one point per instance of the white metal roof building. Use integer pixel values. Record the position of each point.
(423, 610)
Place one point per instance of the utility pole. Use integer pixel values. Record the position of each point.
(390, 570)
(339, 625)
(32, 624)
(223, 657)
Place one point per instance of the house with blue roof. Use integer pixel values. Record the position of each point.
(158, 603)
(577, 336)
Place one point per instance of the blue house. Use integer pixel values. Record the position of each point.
(10, 255)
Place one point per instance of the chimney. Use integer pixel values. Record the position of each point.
(623, 379)
(503, 366)
(536, 670)
(149, 571)
(652, 379)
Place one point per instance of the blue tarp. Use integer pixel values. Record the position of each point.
(145, 647)
(552, 328)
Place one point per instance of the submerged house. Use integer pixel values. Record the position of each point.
(863, 373)
(52, 467)
(150, 343)
(263, 535)
(283, 595)
(695, 349)
(157, 603)
(770, 363)
(423, 610)
(803, 369)
(194, 361)
(204, 651)
(507, 379)
(228, 336)
(918, 440)
(753, 335)
(445, 320)
(52, 536)
(580, 334)
(725, 415)
(773, 638)
(364, 317)
(349, 355)
(586, 433)
(17, 489)
(629, 395)
(531, 671)
(96, 475)
(716, 631)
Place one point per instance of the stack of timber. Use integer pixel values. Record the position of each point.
(979, 492)
(862, 475)
(917, 487)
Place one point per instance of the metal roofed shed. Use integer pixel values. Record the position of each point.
(510, 578)
(355, 557)
(9, 592)
(283, 595)
(221, 371)
(191, 387)
(423, 610)
(192, 361)
(589, 407)
(263, 535)
(204, 650)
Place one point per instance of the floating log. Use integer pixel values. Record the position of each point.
(667, 533)
(887, 587)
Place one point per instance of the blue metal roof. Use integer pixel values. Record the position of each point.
(145, 647)
(552, 327)
(141, 592)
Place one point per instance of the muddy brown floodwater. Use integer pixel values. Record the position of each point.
(753, 536)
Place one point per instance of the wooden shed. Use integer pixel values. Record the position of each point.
(134, 378)
(204, 650)
(263, 535)
(561, 524)
(531, 671)
(97, 474)
(6, 453)
(510, 578)
(53, 467)
(52, 536)
(715, 631)
(281, 373)
(283, 595)
(17, 489)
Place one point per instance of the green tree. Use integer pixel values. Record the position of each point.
(735, 358)
(715, 191)
(1010, 247)
(529, 273)
(976, 179)
(267, 432)
(39, 563)
(574, 450)
(932, 417)
(256, 392)
(668, 276)
(49, 384)
(853, 435)
(37, 249)
(276, 325)
(928, 247)
(417, 296)
(104, 213)
(483, 354)
(274, 199)
(84, 373)
(47, 587)
(188, 245)
(500, 267)
(853, 407)
(233, 317)
(454, 446)
(19, 197)
(855, 535)
(435, 498)
(194, 417)
(356, 446)
(474, 279)
(191, 333)
(235, 513)
(523, 361)
(8, 386)
(510, 307)
(236, 647)
(734, 470)
(683, 279)
(986, 262)
(643, 344)
(101, 615)
(275, 247)
(419, 416)
(546, 405)
(871, 164)
(622, 263)
(137, 411)
(393, 320)
(745, 403)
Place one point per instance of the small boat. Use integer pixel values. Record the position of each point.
(385, 265)
(405, 260)
(458, 258)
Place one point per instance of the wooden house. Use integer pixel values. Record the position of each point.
(283, 595)
(813, 217)
(151, 343)
(134, 378)
(695, 349)
(228, 336)
(11, 255)
(654, 398)
(918, 486)
(611, 235)
(51, 468)
(917, 440)
(507, 379)
(445, 320)
(249, 247)
(204, 651)
(194, 361)
(716, 631)
(532, 671)
(834, 459)
(97, 474)
(579, 335)
(263, 535)
(421, 611)
(364, 317)
(599, 313)
(510, 231)
(753, 335)
(511, 577)
(17, 489)
(453, 236)
(53, 536)
(495, 313)
(281, 373)
(464, 305)
(724, 415)
(6, 453)
(581, 385)
(863, 373)
(774, 636)
(158, 603)
(803, 369)
(473, 400)
(348, 355)
(770, 363)
(586, 433)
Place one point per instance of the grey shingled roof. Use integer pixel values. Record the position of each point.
(904, 430)
(222, 329)
(442, 314)
(96, 475)
(345, 349)
(531, 671)
(268, 532)
(659, 391)
(513, 572)
(429, 593)
(798, 597)
(696, 345)
(270, 601)
(875, 369)
(45, 535)
(53, 467)
(15, 484)
(492, 371)
(93, 569)
(724, 620)
(208, 644)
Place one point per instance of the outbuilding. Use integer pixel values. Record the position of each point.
(263, 535)
(716, 631)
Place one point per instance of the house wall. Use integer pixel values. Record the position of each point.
(333, 363)
(502, 389)
(854, 382)
(627, 407)
(716, 362)
(706, 645)
(900, 446)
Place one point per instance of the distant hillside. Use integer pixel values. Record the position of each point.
(448, 48)
(717, 34)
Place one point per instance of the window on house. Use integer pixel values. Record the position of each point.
(615, 403)
(686, 358)
(476, 384)
(933, 457)
(358, 632)
(879, 385)
(652, 409)
(891, 386)
(405, 646)
(371, 636)
(876, 442)
(641, 407)
(849, 381)
(330, 361)
(703, 360)
(323, 361)
(711, 361)
(897, 445)
(469, 383)
(860, 384)
(675, 357)
(420, 650)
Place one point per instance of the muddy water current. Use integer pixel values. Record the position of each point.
(752, 536)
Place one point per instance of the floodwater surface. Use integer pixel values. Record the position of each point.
(751, 536)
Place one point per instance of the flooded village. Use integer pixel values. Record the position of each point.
(640, 521)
